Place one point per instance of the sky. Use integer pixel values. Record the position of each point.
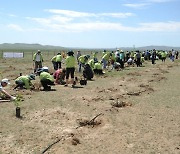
(91, 23)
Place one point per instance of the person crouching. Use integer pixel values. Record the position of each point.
(24, 82)
(4, 83)
(46, 80)
(59, 76)
(98, 68)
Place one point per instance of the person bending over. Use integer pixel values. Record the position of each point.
(24, 82)
(4, 83)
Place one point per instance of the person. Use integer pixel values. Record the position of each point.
(38, 59)
(59, 76)
(82, 61)
(117, 54)
(4, 83)
(53, 60)
(98, 68)
(130, 61)
(103, 53)
(163, 56)
(173, 55)
(58, 60)
(70, 63)
(91, 63)
(78, 55)
(88, 72)
(127, 56)
(113, 59)
(142, 60)
(153, 57)
(146, 55)
(77, 58)
(138, 58)
(105, 59)
(95, 56)
(132, 54)
(117, 66)
(121, 58)
(63, 55)
(24, 81)
(177, 54)
(46, 79)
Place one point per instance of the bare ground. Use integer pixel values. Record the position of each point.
(138, 111)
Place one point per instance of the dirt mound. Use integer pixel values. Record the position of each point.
(135, 74)
(120, 104)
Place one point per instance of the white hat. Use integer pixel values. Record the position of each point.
(5, 81)
(45, 69)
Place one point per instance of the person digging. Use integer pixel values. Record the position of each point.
(46, 79)
(59, 76)
(4, 83)
(24, 82)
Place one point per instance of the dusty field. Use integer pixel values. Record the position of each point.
(138, 111)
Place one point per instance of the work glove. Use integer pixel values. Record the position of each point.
(13, 98)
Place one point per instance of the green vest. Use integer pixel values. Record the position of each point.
(70, 62)
(82, 60)
(46, 75)
(98, 66)
(34, 57)
(25, 80)
(53, 59)
(58, 58)
(91, 63)
(106, 56)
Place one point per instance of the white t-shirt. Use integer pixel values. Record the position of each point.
(38, 57)
(173, 52)
(117, 54)
(130, 60)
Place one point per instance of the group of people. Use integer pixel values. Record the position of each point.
(61, 75)
(90, 66)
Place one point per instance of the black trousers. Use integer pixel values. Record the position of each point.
(20, 84)
(121, 63)
(138, 62)
(153, 60)
(46, 83)
(58, 65)
(97, 71)
(38, 64)
(54, 65)
(70, 71)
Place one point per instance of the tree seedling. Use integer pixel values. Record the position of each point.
(17, 103)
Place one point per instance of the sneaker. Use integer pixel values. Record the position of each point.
(65, 85)
(47, 88)
(74, 83)
(73, 86)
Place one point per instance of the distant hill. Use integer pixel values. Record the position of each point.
(166, 48)
(24, 46)
(159, 48)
